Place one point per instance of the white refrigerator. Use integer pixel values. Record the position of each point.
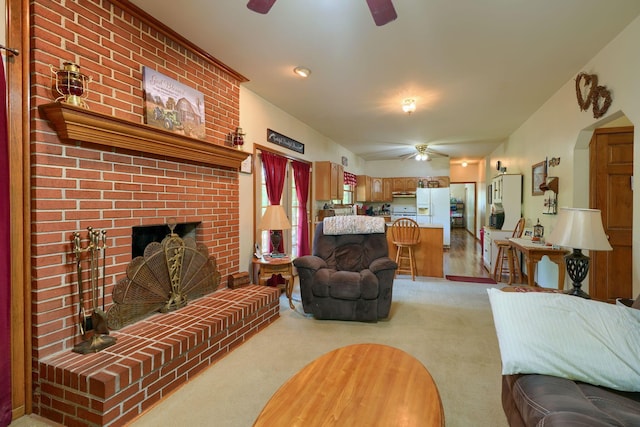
(434, 207)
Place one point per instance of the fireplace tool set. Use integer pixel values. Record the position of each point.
(93, 328)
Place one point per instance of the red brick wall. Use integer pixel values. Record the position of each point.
(79, 185)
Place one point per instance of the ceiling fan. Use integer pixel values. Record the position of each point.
(381, 10)
(425, 153)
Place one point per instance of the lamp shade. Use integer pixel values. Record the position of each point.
(580, 229)
(274, 218)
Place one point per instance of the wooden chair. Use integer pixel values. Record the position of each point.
(508, 254)
(405, 234)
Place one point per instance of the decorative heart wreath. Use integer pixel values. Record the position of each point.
(597, 96)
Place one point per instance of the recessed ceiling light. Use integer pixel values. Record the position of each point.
(302, 71)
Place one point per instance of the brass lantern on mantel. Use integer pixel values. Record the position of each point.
(69, 85)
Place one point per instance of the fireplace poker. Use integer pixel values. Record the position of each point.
(77, 250)
(93, 247)
(100, 338)
(104, 265)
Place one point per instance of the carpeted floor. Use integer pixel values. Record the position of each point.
(446, 325)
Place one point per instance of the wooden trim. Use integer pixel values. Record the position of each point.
(19, 176)
(78, 124)
(143, 16)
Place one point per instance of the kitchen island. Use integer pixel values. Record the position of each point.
(429, 252)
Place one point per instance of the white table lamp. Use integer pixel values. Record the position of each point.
(579, 229)
(275, 219)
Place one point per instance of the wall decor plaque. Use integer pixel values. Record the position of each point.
(284, 141)
(172, 105)
(538, 177)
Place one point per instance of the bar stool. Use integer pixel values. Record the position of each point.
(507, 254)
(405, 234)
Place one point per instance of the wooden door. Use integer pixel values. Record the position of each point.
(611, 163)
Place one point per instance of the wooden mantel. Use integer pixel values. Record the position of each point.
(78, 124)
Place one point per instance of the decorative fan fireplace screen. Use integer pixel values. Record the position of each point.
(165, 278)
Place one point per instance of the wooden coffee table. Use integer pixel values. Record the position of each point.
(357, 385)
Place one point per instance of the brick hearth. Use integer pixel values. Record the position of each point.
(151, 358)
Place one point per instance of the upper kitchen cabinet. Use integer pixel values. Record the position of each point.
(387, 189)
(397, 185)
(404, 184)
(329, 181)
(371, 189)
(364, 188)
(410, 184)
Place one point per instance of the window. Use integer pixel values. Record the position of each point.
(289, 201)
(347, 198)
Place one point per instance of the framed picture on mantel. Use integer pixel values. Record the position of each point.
(247, 165)
(538, 176)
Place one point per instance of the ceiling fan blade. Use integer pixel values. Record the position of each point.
(382, 11)
(431, 151)
(407, 157)
(260, 6)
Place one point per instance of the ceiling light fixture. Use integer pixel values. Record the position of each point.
(422, 155)
(409, 105)
(464, 164)
(302, 71)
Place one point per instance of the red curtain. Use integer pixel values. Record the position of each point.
(275, 168)
(5, 260)
(301, 176)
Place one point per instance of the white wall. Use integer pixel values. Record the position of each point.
(256, 116)
(557, 129)
(560, 129)
(409, 167)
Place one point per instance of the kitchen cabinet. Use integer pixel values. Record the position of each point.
(507, 196)
(404, 184)
(363, 188)
(387, 189)
(377, 193)
(429, 253)
(410, 184)
(397, 185)
(329, 181)
(489, 248)
(371, 189)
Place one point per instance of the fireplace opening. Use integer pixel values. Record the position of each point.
(171, 270)
(141, 236)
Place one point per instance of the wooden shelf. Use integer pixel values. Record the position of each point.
(78, 124)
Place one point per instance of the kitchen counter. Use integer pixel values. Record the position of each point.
(422, 225)
(429, 252)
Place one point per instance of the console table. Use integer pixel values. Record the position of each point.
(533, 253)
(357, 385)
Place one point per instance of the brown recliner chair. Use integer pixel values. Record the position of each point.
(348, 277)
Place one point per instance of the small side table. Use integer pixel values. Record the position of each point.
(267, 267)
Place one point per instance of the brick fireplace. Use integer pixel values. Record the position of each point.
(78, 182)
